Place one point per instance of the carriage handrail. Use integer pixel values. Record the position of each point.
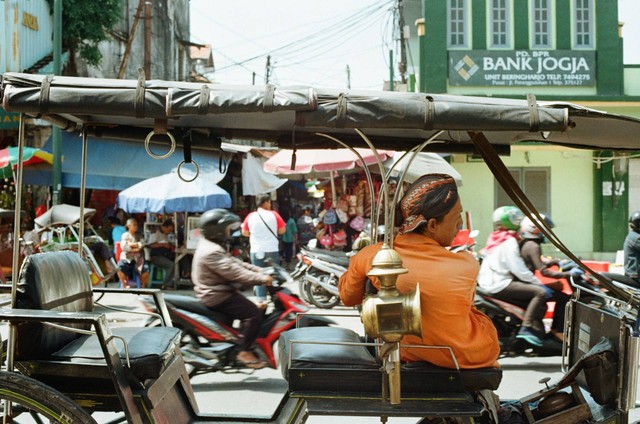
(372, 344)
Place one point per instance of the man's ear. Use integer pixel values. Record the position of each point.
(431, 224)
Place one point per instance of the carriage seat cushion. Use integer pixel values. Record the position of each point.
(413, 374)
(310, 355)
(51, 281)
(150, 349)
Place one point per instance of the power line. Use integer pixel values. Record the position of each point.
(319, 36)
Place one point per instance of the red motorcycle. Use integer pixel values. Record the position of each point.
(209, 337)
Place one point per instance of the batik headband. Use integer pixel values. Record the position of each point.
(431, 196)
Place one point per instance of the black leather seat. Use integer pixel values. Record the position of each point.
(312, 367)
(60, 281)
(192, 304)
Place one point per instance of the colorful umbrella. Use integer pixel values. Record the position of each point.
(30, 156)
(309, 162)
(168, 193)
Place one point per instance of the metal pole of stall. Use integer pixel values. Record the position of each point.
(83, 186)
(57, 70)
(15, 260)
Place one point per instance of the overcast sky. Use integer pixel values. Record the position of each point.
(313, 42)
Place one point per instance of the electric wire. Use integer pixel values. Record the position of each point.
(323, 38)
(321, 35)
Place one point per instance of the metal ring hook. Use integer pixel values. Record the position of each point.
(187, 180)
(222, 164)
(172, 147)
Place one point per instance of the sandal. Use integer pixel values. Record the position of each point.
(256, 365)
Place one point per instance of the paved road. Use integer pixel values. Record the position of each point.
(258, 392)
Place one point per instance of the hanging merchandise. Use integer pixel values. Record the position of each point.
(357, 223)
(326, 238)
(330, 217)
(340, 238)
(342, 216)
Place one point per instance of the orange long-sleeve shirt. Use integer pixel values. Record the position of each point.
(447, 288)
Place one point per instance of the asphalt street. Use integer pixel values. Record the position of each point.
(258, 393)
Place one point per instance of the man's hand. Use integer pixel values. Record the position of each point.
(268, 280)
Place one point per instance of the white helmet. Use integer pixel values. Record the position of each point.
(530, 230)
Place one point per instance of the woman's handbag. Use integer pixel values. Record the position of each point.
(340, 238)
(330, 217)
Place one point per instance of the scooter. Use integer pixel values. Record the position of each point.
(507, 318)
(209, 338)
(298, 275)
(320, 280)
(238, 246)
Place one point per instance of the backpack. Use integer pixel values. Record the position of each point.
(330, 217)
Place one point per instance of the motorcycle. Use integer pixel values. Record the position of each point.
(322, 273)
(507, 318)
(238, 246)
(209, 338)
(298, 275)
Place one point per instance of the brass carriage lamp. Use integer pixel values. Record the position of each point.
(390, 315)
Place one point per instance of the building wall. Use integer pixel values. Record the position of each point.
(570, 169)
(599, 75)
(169, 54)
(606, 54)
(25, 33)
(632, 80)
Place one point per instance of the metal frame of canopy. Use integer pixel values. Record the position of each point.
(306, 118)
(294, 117)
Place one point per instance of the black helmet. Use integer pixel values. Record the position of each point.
(218, 224)
(634, 221)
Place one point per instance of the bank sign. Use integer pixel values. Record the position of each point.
(525, 68)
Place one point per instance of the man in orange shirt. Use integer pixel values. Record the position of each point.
(430, 217)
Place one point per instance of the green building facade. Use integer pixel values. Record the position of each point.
(561, 50)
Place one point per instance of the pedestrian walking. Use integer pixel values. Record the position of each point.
(263, 226)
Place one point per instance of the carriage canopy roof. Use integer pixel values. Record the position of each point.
(303, 117)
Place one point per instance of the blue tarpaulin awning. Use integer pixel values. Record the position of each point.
(113, 164)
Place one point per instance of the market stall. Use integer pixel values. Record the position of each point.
(175, 194)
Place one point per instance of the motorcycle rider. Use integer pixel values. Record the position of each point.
(531, 239)
(632, 248)
(429, 214)
(218, 277)
(506, 222)
(505, 275)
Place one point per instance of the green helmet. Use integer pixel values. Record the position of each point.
(507, 218)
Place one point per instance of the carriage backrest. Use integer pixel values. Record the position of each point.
(51, 281)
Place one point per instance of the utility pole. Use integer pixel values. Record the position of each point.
(127, 51)
(55, 134)
(392, 83)
(147, 39)
(402, 65)
(267, 71)
(348, 77)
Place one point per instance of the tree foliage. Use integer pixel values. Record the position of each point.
(86, 23)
